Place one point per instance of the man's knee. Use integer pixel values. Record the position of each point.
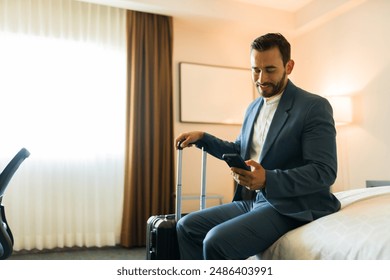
(186, 224)
(214, 244)
(181, 225)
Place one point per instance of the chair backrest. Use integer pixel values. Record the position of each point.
(11, 168)
(6, 237)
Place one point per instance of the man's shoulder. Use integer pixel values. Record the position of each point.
(254, 104)
(304, 95)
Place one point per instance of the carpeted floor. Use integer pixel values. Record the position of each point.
(104, 253)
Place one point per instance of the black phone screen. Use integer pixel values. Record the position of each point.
(235, 160)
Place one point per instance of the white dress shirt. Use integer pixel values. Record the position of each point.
(262, 124)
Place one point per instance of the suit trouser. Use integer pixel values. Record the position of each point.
(236, 230)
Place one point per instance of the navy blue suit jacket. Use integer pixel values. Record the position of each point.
(299, 154)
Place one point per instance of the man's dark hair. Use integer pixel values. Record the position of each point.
(270, 40)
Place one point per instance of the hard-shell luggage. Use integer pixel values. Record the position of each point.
(161, 238)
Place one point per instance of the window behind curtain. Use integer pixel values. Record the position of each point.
(62, 96)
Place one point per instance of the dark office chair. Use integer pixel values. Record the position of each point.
(6, 237)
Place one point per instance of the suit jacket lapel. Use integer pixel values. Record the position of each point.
(280, 118)
(250, 123)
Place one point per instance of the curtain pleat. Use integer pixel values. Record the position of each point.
(149, 179)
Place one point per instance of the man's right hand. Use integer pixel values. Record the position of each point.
(188, 138)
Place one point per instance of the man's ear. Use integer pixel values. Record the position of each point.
(289, 66)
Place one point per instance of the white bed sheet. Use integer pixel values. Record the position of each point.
(360, 230)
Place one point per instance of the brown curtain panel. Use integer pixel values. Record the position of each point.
(149, 179)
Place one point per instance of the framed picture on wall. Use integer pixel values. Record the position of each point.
(214, 94)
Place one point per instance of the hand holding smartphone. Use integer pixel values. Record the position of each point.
(235, 160)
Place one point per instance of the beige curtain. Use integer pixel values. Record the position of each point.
(149, 179)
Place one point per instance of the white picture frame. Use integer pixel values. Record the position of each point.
(214, 94)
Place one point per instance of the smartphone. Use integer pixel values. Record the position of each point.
(235, 160)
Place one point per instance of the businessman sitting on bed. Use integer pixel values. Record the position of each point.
(288, 140)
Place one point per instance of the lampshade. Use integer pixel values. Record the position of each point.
(342, 109)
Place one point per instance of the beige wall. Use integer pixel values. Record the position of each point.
(210, 44)
(350, 55)
(345, 54)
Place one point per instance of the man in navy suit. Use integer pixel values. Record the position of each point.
(288, 139)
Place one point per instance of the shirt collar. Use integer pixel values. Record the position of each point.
(273, 99)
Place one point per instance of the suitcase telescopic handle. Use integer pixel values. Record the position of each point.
(178, 181)
(203, 181)
(202, 199)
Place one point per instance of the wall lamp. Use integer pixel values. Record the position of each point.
(342, 109)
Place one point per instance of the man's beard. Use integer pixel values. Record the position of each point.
(276, 88)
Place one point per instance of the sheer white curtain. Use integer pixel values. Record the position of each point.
(62, 96)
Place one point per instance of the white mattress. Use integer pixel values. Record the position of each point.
(360, 230)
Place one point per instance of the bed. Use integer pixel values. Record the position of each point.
(359, 231)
